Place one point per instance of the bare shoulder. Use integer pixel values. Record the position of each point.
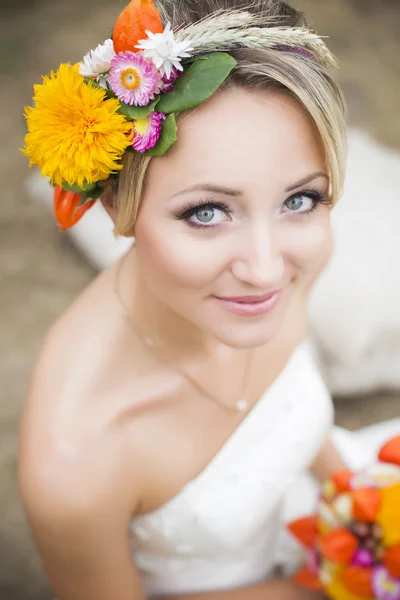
(77, 473)
(72, 447)
(84, 354)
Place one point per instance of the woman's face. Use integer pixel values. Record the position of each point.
(232, 224)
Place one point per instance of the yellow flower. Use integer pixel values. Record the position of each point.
(337, 590)
(389, 515)
(75, 134)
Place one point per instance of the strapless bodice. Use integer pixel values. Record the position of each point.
(220, 530)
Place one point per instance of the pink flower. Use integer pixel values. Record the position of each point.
(363, 558)
(147, 131)
(167, 83)
(384, 586)
(133, 78)
(313, 561)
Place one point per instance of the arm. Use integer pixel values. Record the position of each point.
(270, 590)
(85, 554)
(81, 537)
(327, 462)
(77, 497)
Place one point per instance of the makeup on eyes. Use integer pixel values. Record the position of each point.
(192, 208)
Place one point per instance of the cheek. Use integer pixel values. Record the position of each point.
(168, 259)
(310, 245)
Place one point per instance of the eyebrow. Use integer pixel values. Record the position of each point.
(220, 189)
(209, 187)
(306, 180)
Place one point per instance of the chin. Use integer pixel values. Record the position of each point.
(245, 332)
(246, 336)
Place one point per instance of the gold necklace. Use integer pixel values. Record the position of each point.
(241, 405)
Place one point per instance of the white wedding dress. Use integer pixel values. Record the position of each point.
(225, 529)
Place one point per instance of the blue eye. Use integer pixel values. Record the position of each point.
(206, 215)
(297, 203)
(305, 202)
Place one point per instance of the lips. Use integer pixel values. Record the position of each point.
(249, 299)
(250, 306)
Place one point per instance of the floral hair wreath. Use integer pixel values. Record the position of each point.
(124, 95)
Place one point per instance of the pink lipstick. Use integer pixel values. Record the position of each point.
(250, 306)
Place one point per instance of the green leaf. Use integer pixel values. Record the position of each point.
(93, 195)
(96, 194)
(83, 201)
(108, 92)
(87, 187)
(137, 112)
(167, 138)
(199, 81)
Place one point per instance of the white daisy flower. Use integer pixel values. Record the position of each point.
(97, 61)
(164, 50)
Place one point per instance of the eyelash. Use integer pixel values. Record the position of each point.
(192, 209)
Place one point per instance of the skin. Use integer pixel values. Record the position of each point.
(259, 246)
(111, 429)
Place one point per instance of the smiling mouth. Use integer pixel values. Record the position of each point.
(250, 305)
(251, 299)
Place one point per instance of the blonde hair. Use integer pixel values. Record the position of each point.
(299, 75)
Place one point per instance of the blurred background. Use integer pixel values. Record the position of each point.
(41, 271)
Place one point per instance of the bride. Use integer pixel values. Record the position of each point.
(176, 403)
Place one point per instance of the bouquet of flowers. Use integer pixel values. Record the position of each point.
(353, 540)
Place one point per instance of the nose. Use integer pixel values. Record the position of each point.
(259, 261)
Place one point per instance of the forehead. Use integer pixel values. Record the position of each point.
(242, 138)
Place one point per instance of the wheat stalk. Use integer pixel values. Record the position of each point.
(224, 19)
(233, 29)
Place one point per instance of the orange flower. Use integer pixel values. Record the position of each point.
(338, 546)
(342, 480)
(67, 209)
(366, 503)
(358, 580)
(338, 590)
(131, 25)
(390, 452)
(305, 530)
(391, 560)
(307, 579)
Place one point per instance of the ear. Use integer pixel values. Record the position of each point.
(111, 211)
(109, 202)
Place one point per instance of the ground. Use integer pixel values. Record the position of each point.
(35, 36)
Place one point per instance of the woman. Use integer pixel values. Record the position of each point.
(175, 402)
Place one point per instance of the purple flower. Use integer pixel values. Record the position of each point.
(167, 83)
(384, 586)
(133, 78)
(147, 131)
(363, 558)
